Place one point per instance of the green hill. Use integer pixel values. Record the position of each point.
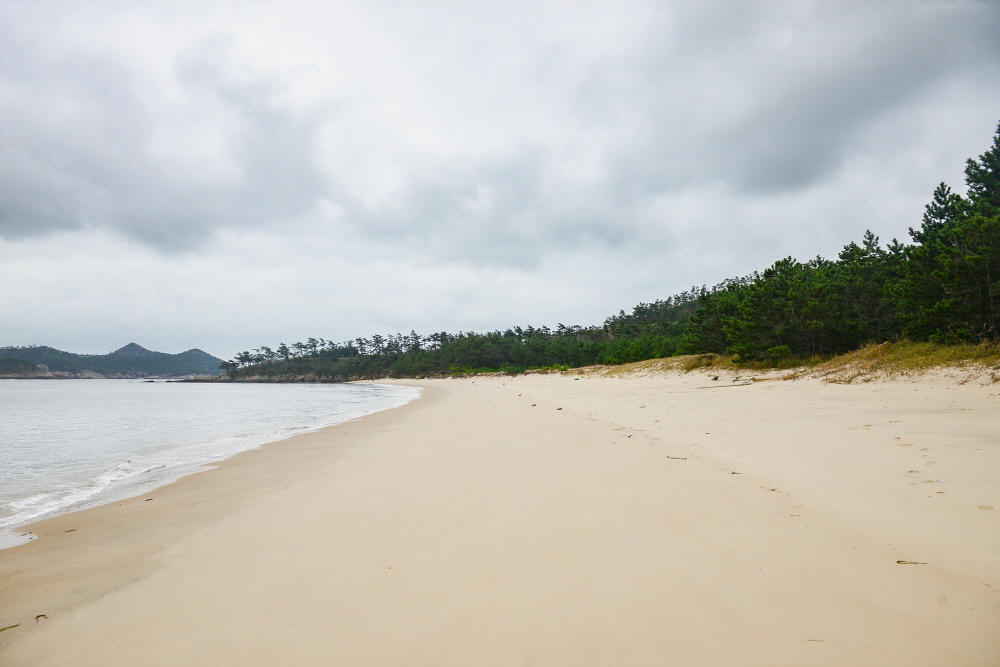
(130, 361)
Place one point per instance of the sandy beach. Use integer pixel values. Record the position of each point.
(667, 519)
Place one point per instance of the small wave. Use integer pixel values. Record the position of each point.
(125, 479)
(24, 510)
(153, 467)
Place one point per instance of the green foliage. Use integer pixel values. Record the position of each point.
(950, 290)
(944, 288)
(16, 367)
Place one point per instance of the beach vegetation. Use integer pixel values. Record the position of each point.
(694, 361)
(907, 357)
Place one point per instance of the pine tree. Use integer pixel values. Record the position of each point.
(951, 287)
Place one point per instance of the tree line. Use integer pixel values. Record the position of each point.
(943, 287)
(652, 330)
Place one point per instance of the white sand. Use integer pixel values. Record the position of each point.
(475, 528)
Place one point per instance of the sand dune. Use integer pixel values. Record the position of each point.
(548, 520)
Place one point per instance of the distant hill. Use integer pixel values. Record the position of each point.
(131, 361)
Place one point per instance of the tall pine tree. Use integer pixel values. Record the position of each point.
(951, 287)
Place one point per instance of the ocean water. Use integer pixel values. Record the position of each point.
(70, 444)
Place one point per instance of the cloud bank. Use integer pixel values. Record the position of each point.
(226, 175)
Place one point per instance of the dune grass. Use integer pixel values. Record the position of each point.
(885, 360)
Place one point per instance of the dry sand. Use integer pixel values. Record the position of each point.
(544, 520)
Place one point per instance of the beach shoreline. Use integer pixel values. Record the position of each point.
(551, 520)
(83, 446)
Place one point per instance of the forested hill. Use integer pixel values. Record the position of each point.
(943, 287)
(130, 361)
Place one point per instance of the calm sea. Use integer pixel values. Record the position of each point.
(70, 444)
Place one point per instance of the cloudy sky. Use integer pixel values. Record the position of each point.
(226, 175)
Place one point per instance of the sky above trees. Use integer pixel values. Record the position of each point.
(218, 174)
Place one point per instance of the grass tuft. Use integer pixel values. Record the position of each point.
(693, 361)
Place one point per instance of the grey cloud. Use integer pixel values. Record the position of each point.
(484, 211)
(502, 211)
(771, 98)
(763, 99)
(76, 153)
(808, 121)
(275, 147)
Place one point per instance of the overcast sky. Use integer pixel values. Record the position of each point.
(230, 175)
